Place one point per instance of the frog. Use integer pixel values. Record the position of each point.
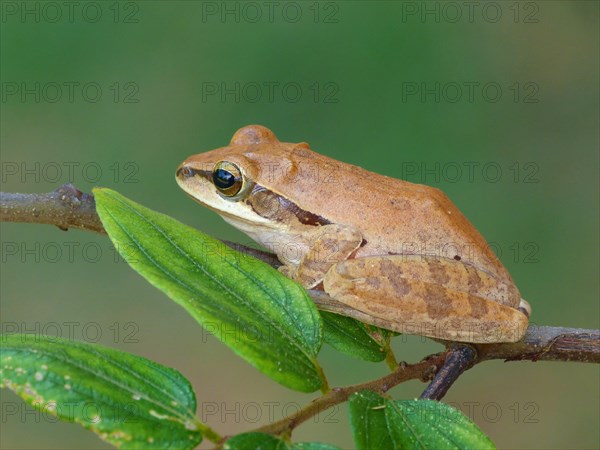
(395, 254)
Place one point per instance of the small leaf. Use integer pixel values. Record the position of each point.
(351, 337)
(428, 425)
(367, 419)
(262, 441)
(266, 318)
(129, 401)
(255, 441)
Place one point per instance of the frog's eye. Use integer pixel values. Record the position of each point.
(227, 178)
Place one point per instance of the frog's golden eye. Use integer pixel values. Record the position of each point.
(227, 178)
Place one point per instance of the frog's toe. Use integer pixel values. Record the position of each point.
(525, 308)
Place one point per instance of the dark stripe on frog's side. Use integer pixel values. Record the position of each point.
(270, 205)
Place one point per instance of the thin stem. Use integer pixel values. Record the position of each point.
(208, 432)
(325, 386)
(390, 358)
(336, 396)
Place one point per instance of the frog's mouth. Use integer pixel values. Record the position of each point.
(237, 212)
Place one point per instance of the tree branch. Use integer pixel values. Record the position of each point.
(542, 343)
(539, 343)
(460, 358)
(67, 207)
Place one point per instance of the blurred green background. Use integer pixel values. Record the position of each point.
(516, 100)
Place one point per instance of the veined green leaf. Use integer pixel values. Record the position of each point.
(367, 419)
(262, 441)
(428, 425)
(129, 401)
(264, 317)
(379, 423)
(352, 337)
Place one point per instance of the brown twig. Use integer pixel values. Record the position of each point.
(67, 207)
(542, 343)
(460, 358)
(404, 372)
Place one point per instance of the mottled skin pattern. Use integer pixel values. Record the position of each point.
(399, 252)
(431, 296)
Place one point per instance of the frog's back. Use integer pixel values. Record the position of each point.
(395, 216)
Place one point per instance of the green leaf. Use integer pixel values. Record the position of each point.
(263, 316)
(262, 441)
(351, 337)
(368, 422)
(427, 424)
(255, 441)
(379, 423)
(130, 402)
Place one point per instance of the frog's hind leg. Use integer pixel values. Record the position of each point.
(427, 296)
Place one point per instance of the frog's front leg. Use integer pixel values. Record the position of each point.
(429, 296)
(329, 245)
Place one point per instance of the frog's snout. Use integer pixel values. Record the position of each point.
(184, 171)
